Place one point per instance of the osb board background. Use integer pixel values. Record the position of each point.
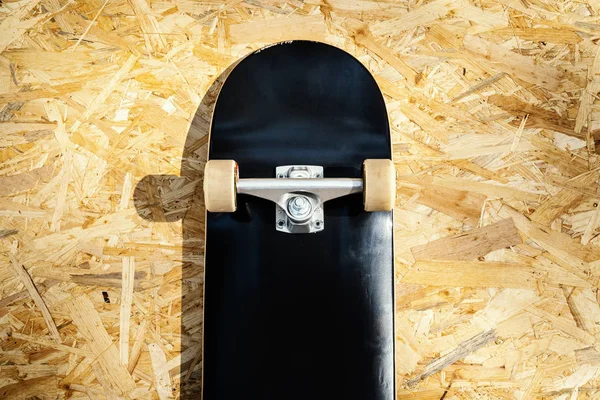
(494, 111)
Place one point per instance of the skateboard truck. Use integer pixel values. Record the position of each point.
(299, 191)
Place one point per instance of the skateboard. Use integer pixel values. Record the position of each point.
(299, 190)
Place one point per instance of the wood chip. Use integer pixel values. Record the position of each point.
(471, 244)
(472, 274)
(39, 302)
(161, 373)
(279, 29)
(91, 328)
(464, 348)
(512, 63)
(125, 314)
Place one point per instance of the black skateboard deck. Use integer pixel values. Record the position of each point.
(299, 316)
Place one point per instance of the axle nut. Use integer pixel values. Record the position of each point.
(299, 208)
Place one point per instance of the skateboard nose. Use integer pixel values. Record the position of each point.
(299, 207)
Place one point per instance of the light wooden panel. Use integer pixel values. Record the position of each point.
(494, 111)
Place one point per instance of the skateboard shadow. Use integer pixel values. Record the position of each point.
(169, 198)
